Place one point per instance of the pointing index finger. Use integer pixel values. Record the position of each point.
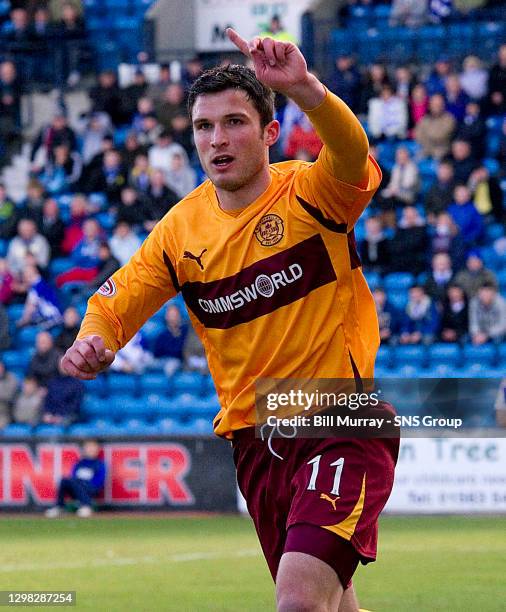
(238, 41)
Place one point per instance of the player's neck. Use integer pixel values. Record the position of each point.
(243, 197)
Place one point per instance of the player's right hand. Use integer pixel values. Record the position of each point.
(86, 358)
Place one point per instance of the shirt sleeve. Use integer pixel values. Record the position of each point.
(342, 181)
(132, 294)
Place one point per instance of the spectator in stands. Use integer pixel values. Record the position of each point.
(436, 82)
(107, 265)
(374, 249)
(473, 130)
(387, 117)
(474, 275)
(71, 34)
(144, 106)
(172, 104)
(57, 133)
(61, 172)
(133, 358)
(418, 104)
(277, 31)
(435, 130)
(345, 80)
(191, 71)
(97, 161)
(6, 281)
(44, 363)
(487, 316)
(456, 98)
(388, 317)
(159, 199)
(106, 97)
(487, 194)
(140, 175)
(28, 403)
(64, 397)
(375, 78)
(71, 323)
(501, 152)
(474, 78)
(410, 13)
(404, 181)
(52, 226)
(93, 128)
(27, 241)
(31, 206)
(85, 256)
(195, 359)
(42, 307)
(462, 160)
(168, 345)
(79, 210)
(130, 150)
(8, 215)
(497, 84)
(156, 90)
(132, 208)
(440, 193)
(8, 388)
(454, 320)
(110, 178)
(5, 339)
(42, 34)
(408, 248)
(420, 321)
(86, 482)
(302, 139)
(500, 404)
(10, 110)
(466, 217)
(403, 82)
(131, 94)
(440, 278)
(124, 242)
(181, 177)
(446, 239)
(16, 31)
(149, 131)
(160, 154)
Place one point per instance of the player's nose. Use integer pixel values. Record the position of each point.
(219, 137)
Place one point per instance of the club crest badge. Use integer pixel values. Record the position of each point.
(270, 230)
(108, 289)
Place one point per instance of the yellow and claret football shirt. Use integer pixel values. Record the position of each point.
(274, 290)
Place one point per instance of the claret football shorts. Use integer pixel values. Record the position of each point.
(319, 496)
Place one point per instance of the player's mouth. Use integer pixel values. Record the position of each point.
(222, 162)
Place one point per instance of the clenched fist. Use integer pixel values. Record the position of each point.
(86, 358)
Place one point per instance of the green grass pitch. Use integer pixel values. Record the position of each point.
(214, 563)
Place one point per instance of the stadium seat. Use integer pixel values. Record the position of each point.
(384, 357)
(501, 351)
(126, 406)
(445, 353)
(26, 336)
(94, 407)
(154, 382)
(173, 427)
(398, 280)
(161, 406)
(208, 387)
(201, 427)
(49, 431)
(373, 280)
(398, 299)
(138, 427)
(411, 355)
(16, 430)
(98, 386)
(186, 382)
(123, 383)
(17, 359)
(485, 354)
(81, 430)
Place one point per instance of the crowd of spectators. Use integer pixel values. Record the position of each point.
(98, 186)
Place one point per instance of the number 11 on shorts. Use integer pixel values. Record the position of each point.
(314, 473)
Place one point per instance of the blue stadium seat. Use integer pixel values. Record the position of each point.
(384, 357)
(172, 427)
(94, 407)
(97, 387)
(445, 353)
(59, 265)
(154, 382)
(485, 354)
(208, 387)
(138, 427)
(161, 406)
(186, 382)
(123, 383)
(16, 359)
(202, 427)
(124, 406)
(16, 430)
(373, 280)
(81, 430)
(501, 350)
(26, 336)
(398, 299)
(399, 280)
(411, 354)
(49, 431)
(501, 279)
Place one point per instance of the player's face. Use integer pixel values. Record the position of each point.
(233, 147)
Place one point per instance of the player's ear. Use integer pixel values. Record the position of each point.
(271, 132)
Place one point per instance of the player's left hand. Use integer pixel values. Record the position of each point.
(279, 65)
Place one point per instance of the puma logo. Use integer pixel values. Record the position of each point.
(188, 255)
(329, 499)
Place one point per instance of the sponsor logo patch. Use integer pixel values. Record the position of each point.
(269, 230)
(108, 289)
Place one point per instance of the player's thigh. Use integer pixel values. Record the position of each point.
(305, 582)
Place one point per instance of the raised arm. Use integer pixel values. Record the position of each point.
(281, 66)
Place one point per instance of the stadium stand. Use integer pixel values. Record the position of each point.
(362, 54)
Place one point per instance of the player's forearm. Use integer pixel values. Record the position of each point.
(96, 325)
(346, 146)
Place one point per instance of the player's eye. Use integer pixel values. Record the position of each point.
(203, 126)
(235, 121)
